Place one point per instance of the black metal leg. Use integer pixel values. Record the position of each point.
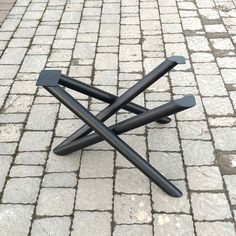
(129, 124)
(131, 93)
(114, 140)
(104, 96)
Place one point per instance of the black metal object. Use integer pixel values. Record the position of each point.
(51, 81)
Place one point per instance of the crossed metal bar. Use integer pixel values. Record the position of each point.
(51, 81)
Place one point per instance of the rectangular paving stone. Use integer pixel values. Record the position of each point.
(65, 128)
(55, 201)
(48, 226)
(21, 190)
(94, 194)
(7, 148)
(25, 87)
(42, 117)
(55, 163)
(59, 180)
(225, 138)
(26, 171)
(35, 141)
(165, 203)
(198, 43)
(130, 53)
(90, 223)
(96, 164)
(194, 130)
(169, 164)
(10, 132)
(8, 71)
(180, 224)
(138, 183)
(211, 85)
(130, 209)
(106, 61)
(84, 50)
(18, 103)
(13, 56)
(213, 228)
(204, 178)
(210, 206)
(30, 158)
(206, 68)
(197, 152)
(163, 139)
(228, 75)
(15, 219)
(226, 62)
(218, 106)
(33, 63)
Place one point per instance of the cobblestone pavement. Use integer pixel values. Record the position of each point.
(112, 44)
(5, 7)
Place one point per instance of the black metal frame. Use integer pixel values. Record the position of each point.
(51, 81)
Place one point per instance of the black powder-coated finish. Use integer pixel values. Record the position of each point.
(129, 124)
(130, 94)
(51, 81)
(114, 140)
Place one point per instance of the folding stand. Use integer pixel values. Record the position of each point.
(51, 81)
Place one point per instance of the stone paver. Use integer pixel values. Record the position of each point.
(112, 45)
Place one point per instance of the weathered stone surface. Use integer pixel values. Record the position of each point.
(218, 106)
(138, 182)
(161, 201)
(225, 138)
(51, 226)
(156, 137)
(31, 158)
(131, 209)
(194, 130)
(204, 178)
(210, 206)
(197, 152)
(42, 117)
(91, 223)
(55, 201)
(179, 224)
(94, 194)
(97, 164)
(21, 190)
(26, 171)
(169, 164)
(15, 219)
(215, 228)
(211, 85)
(35, 141)
(59, 180)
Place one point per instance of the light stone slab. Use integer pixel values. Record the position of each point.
(59, 226)
(130, 209)
(55, 201)
(91, 223)
(204, 178)
(210, 206)
(94, 194)
(179, 224)
(21, 190)
(15, 219)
